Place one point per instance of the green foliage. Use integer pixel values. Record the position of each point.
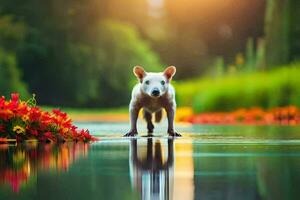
(10, 76)
(277, 32)
(69, 55)
(260, 58)
(218, 67)
(270, 89)
(253, 60)
(119, 48)
(88, 73)
(83, 84)
(12, 32)
(294, 38)
(250, 55)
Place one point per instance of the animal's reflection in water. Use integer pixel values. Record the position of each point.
(152, 172)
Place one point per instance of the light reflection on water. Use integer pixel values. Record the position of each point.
(201, 165)
(152, 169)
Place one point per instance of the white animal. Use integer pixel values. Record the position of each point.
(153, 93)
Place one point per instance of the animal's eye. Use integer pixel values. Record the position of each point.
(147, 82)
(163, 82)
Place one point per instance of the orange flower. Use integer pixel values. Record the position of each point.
(38, 122)
(289, 115)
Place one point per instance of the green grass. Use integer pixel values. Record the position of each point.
(278, 87)
(89, 110)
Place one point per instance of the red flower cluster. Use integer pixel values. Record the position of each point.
(19, 120)
(285, 116)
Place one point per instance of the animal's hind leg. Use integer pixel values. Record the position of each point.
(148, 118)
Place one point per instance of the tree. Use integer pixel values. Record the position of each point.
(70, 58)
(10, 76)
(12, 34)
(282, 31)
(294, 38)
(118, 48)
(277, 30)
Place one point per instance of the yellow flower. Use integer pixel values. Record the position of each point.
(183, 113)
(18, 129)
(65, 130)
(25, 118)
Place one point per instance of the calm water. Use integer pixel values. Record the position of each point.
(208, 162)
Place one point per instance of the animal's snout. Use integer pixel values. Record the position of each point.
(155, 92)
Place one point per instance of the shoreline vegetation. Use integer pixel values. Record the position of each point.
(267, 89)
(269, 97)
(289, 115)
(95, 114)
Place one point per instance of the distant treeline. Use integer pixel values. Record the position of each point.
(81, 52)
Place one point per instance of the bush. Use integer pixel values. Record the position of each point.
(265, 89)
(93, 72)
(10, 76)
(119, 47)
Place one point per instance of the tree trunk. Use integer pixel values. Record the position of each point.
(277, 32)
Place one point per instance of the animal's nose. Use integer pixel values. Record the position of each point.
(155, 92)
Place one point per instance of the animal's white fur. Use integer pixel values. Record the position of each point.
(142, 97)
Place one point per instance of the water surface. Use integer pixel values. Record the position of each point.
(208, 162)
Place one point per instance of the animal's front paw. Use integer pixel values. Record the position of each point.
(174, 134)
(131, 134)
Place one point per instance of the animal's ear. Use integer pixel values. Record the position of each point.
(170, 72)
(139, 72)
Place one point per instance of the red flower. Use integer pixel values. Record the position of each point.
(57, 112)
(38, 122)
(2, 102)
(34, 114)
(34, 132)
(6, 114)
(48, 134)
(15, 97)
